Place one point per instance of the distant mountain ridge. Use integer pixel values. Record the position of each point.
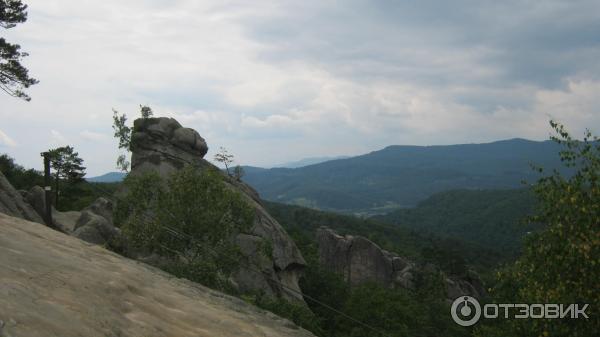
(110, 177)
(308, 161)
(402, 176)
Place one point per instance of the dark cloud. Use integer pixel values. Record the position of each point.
(439, 43)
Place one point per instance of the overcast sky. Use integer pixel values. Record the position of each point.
(276, 81)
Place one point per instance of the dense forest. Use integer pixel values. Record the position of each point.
(495, 219)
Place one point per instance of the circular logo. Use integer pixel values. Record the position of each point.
(465, 311)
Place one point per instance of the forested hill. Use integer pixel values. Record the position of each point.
(402, 176)
(447, 253)
(494, 219)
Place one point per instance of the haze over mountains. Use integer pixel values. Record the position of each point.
(308, 161)
(402, 176)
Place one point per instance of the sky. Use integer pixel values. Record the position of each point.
(277, 81)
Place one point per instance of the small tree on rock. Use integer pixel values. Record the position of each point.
(224, 157)
(123, 134)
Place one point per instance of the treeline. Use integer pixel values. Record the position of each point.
(74, 195)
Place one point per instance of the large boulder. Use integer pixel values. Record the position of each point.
(356, 258)
(94, 228)
(36, 197)
(12, 203)
(103, 207)
(65, 221)
(93, 224)
(162, 145)
(359, 260)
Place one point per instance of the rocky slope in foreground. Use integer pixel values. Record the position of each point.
(52, 284)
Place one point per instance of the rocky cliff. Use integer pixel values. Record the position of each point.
(13, 203)
(359, 260)
(52, 284)
(164, 146)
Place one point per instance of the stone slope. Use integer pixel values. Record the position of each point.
(164, 146)
(52, 284)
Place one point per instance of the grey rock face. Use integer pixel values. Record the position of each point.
(359, 261)
(164, 146)
(36, 197)
(102, 207)
(93, 224)
(94, 228)
(12, 203)
(65, 221)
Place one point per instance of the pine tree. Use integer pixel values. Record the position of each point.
(14, 77)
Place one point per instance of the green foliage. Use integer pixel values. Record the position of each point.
(14, 78)
(562, 263)
(395, 312)
(123, 134)
(297, 313)
(146, 111)
(445, 252)
(67, 169)
(122, 131)
(489, 218)
(238, 173)
(18, 176)
(193, 203)
(225, 158)
(73, 196)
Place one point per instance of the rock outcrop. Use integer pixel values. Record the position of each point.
(93, 224)
(55, 285)
(359, 260)
(13, 203)
(164, 146)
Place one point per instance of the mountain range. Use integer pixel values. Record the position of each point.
(110, 177)
(402, 176)
(308, 161)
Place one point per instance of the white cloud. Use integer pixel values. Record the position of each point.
(276, 81)
(6, 140)
(93, 136)
(57, 138)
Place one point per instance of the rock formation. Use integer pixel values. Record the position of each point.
(359, 260)
(13, 203)
(93, 224)
(164, 146)
(55, 285)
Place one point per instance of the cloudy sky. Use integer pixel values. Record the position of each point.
(276, 81)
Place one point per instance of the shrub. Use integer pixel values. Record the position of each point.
(190, 219)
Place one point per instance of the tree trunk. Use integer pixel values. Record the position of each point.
(56, 182)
